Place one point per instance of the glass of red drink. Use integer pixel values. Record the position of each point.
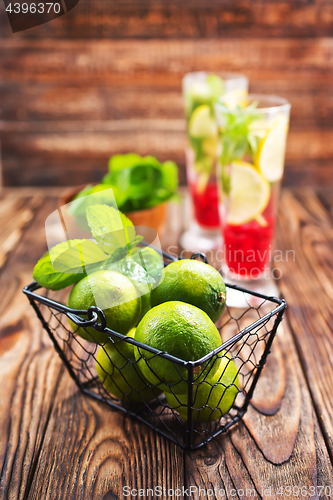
(201, 90)
(251, 162)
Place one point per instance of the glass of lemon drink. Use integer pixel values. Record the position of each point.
(252, 137)
(200, 92)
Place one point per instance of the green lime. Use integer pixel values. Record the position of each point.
(214, 396)
(194, 282)
(149, 261)
(145, 297)
(115, 294)
(120, 375)
(179, 329)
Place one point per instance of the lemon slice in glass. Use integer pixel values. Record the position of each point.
(201, 123)
(235, 97)
(271, 150)
(249, 193)
(209, 146)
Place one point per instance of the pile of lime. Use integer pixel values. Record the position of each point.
(179, 320)
(120, 375)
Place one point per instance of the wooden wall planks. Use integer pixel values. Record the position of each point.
(189, 19)
(102, 66)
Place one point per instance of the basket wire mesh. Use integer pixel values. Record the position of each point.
(247, 335)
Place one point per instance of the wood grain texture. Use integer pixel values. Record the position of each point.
(269, 392)
(29, 369)
(32, 103)
(305, 227)
(70, 155)
(99, 451)
(81, 150)
(16, 215)
(162, 62)
(68, 105)
(56, 443)
(265, 454)
(190, 19)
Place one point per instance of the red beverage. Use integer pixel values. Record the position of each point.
(247, 248)
(253, 143)
(205, 204)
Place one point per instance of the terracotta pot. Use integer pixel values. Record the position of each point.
(154, 217)
(150, 217)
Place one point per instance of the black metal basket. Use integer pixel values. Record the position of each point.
(247, 336)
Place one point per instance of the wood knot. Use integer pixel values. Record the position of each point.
(210, 460)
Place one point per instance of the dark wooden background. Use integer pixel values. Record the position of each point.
(106, 77)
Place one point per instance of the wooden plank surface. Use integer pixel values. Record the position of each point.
(57, 443)
(163, 62)
(81, 156)
(268, 456)
(105, 450)
(69, 105)
(279, 437)
(96, 105)
(29, 369)
(305, 226)
(188, 19)
(91, 452)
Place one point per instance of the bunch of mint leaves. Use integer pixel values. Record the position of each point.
(237, 136)
(138, 183)
(114, 246)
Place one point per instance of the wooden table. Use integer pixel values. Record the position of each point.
(56, 443)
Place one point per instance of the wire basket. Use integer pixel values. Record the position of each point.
(188, 419)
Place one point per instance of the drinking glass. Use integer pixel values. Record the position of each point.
(252, 138)
(200, 91)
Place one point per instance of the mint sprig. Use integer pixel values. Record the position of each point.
(237, 137)
(115, 244)
(137, 182)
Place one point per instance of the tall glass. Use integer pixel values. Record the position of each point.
(200, 91)
(253, 138)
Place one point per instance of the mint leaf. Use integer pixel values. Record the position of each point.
(47, 277)
(237, 138)
(113, 231)
(107, 227)
(67, 263)
(76, 256)
(91, 195)
(141, 182)
(144, 266)
(216, 86)
(118, 163)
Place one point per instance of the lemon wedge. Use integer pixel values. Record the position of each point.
(235, 97)
(271, 150)
(200, 92)
(209, 146)
(201, 123)
(249, 193)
